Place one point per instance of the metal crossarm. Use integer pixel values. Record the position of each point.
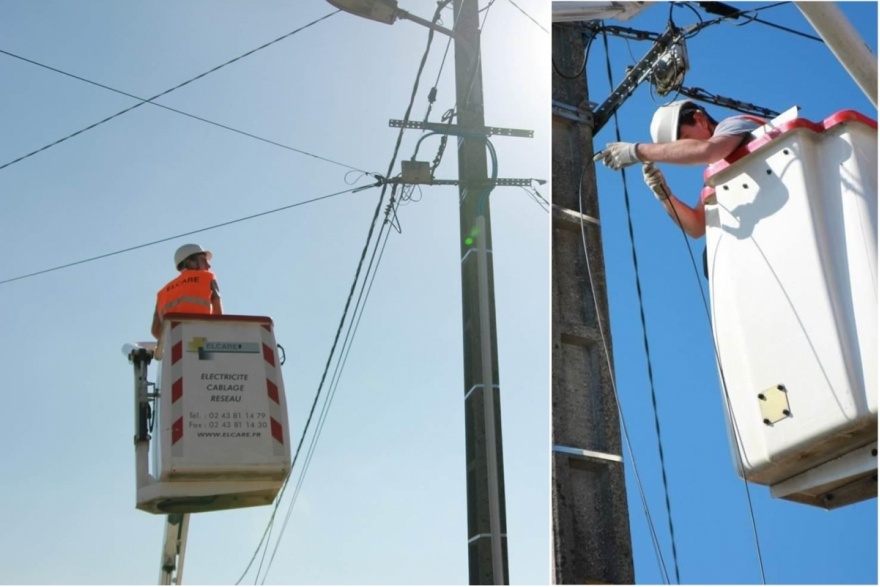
(454, 129)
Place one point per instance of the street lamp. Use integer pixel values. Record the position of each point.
(384, 11)
(487, 525)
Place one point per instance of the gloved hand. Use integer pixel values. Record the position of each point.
(655, 180)
(618, 155)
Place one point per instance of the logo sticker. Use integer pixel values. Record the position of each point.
(207, 349)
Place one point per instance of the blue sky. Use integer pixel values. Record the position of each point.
(384, 498)
(768, 67)
(383, 501)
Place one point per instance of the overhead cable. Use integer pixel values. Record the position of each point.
(529, 16)
(168, 91)
(645, 337)
(191, 232)
(632, 457)
(360, 304)
(728, 15)
(735, 427)
(176, 111)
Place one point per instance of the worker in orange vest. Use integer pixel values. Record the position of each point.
(194, 291)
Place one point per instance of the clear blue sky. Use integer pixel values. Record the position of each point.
(384, 498)
(799, 544)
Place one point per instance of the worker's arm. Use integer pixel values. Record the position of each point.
(157, 325)
(216, 304)
(689, 151)
(691, 220)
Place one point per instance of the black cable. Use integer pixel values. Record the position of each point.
(583, 67)
(663, 572)
(529, 16)
(736, 434)
(645, 336)
(193, 116)
(177, 87)
(166, 239)
(339, 331)
(360, 305)
(786, 29)
(692, 31)
(317, 394)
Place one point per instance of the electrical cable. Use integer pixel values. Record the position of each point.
(432, 95)
(285, 484)
(583, 66)
(159, 95)
(657, 551)
(697, 28)
(176, 111)
(191, 232)
(515, 5)
(645, 336)
(727, 11)
(360, 305)
(737, 437)
(349, 337)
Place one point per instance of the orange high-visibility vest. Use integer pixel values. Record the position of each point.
(189, 292)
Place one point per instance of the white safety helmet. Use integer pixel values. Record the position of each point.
(664, 125)
(187, 250)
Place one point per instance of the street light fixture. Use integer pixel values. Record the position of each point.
(385, 11)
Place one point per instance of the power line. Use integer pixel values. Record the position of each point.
(529, 16)
(166, 239)
(361, 302)
(645, 337)
(176, 111)
(177, 87)
(632, 456)
(729, 12)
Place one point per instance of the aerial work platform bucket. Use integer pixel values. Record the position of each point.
(792, 258)
(219, 418)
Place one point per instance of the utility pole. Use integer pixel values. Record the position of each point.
(487, 523)
(591, 536)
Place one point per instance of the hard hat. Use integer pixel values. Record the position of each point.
(187, 250)
(664, 125)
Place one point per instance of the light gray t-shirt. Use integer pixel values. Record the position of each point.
(735, 125)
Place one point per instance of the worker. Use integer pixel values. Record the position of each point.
(683, 133)
(194, 291)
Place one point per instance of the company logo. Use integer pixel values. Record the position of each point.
(207, 349)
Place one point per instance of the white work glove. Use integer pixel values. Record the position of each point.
(618, 155)
(655, 180)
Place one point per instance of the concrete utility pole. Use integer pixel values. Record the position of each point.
(487, 522)
(591, 536)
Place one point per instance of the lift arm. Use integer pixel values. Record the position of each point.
(173, 549)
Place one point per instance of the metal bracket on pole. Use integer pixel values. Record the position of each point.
(567, 111)
(587, 454)
(635, 76)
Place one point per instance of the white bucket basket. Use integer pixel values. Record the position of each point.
(221, 433)
(792, 255)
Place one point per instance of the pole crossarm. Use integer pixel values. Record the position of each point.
(635, 76)
(739, 106)
(455, 129)
(499, 181)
